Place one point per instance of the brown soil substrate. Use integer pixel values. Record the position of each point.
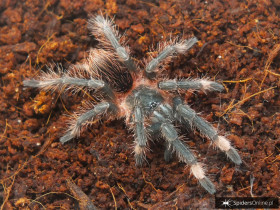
(238, 44)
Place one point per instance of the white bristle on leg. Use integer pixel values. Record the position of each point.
(197, 171)
(138, 150)
(206, 183)
(211, 86)
(139, 153)
(223, 143)
(206, 84)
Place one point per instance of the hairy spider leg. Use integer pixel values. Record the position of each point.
(55, 81)
(170, 134)
(99, 23)
(206, 129)
(168, 51)
(186, 84)
(75, 128)
(140, 135)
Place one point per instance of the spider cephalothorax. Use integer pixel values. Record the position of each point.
(151, 105)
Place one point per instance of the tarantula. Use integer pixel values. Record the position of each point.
(150, 104)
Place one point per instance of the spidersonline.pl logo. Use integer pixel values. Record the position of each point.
(226, 203)
(246, 202)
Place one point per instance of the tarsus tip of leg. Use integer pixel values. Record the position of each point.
(234, 156)
(67, 137)
(217, 86)
(207, 185)
(138, 163)
(193, 40)
(139, 159)
(31, 83)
